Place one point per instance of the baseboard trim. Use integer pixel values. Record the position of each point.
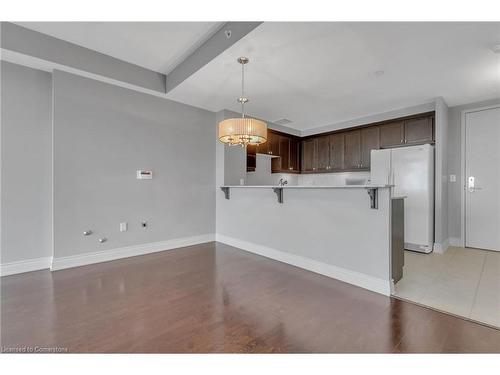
(455, 241)
(127, 252)
(355, 278)
(440, 248)
(23, 266)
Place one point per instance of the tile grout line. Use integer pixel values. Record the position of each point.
(477, 287)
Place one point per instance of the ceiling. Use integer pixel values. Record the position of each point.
(159, 46)
(317, 74)
(313, 74)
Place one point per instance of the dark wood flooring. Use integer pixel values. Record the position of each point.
(215, 298)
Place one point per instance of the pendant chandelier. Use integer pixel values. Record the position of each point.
(242, 130)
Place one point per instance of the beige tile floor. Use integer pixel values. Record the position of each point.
(461, 281)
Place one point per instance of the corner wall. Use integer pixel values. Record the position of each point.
(26, 157)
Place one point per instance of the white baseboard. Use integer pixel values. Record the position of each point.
(356, 278)
(23, 266)
(440, 248)
(455, 241)
(126, 252)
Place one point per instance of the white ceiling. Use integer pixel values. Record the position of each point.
(158, 46)
(317, 74)
(314, 74)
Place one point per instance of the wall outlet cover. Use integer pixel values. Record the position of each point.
(123, 227)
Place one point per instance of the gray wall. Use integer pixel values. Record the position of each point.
(26, 149)
(102, 135)
(332, 226)
(454, 166)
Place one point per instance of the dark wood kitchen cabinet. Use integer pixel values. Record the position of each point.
(294, 164)
(370, 140)
(407, 132)
(418, 130)
(323, 153)
(392, 134)
(337, 152)
(273, 143)
(352, 154)
(284, 152)
(309, 155)
(342, 150)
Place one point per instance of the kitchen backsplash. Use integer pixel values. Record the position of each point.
(263, 176)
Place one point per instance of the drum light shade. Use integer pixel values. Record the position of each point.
(243, 131)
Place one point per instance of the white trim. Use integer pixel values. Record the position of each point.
(440, 248)
(126, 252)
(463, 166)
(352, 277)
(23, 266)
(49, 66)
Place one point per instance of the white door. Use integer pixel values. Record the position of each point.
(482, 174)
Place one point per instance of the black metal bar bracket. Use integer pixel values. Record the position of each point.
(225, 189)
(373, 193)
(279, 193)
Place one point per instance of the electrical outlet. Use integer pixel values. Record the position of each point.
(453, 178)
(123, 227)
(144, 224)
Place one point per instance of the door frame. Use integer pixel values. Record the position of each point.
(462, 166)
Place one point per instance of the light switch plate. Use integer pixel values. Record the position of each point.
(453, 178)
(123, 227)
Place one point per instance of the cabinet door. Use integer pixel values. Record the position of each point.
(370, 140)
(309, 157)
(273, 143)
(392, 134)
(418, 130)
(294, 155)
(352, 155)
(262, 148)
(251, 158)
(284, 153)
(323, 153)
(337, 151)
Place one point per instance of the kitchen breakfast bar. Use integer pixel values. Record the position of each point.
(349, 232)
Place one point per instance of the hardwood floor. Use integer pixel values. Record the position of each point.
(215, 298)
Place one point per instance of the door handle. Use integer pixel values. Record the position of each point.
(471, 184)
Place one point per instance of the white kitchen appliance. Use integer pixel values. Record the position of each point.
(411, 171)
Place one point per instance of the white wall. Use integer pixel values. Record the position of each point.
(26, 156)
(102, 135)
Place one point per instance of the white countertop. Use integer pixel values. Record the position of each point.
(309, 186)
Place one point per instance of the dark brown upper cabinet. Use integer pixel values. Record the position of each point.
(273, 143)
(392, 134)
(323, 152)
(337, 152)
(294, 165)
(370, 140)
(309, 155)
(344, 150)
(262, 148)
(352, 155)
(284, 153)
(419, 130)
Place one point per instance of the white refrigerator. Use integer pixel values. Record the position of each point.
(411, 172)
